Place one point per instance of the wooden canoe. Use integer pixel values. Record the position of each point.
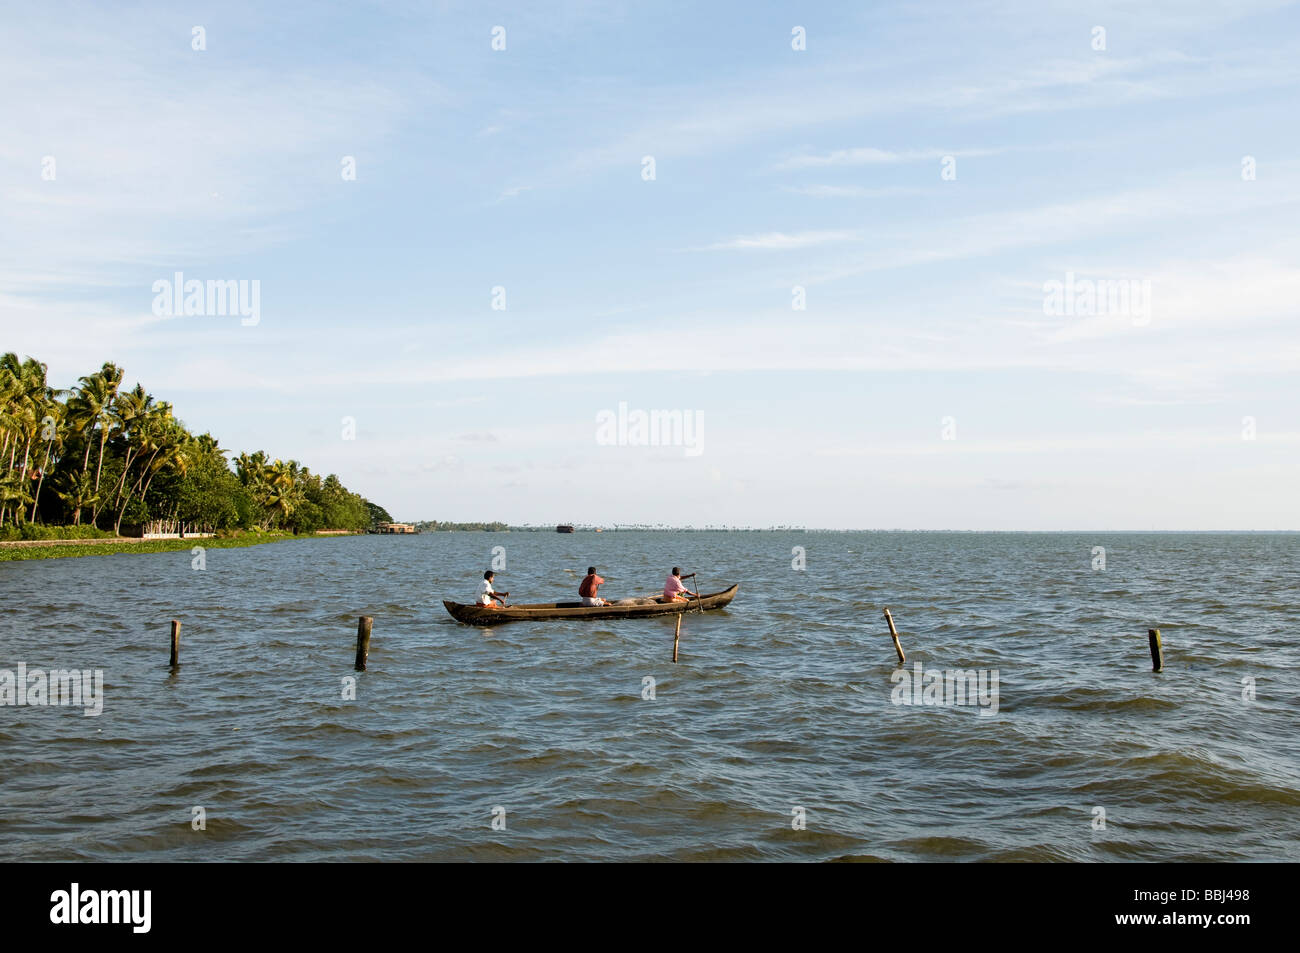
(477, 615)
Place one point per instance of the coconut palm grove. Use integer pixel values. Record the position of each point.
(98, 458)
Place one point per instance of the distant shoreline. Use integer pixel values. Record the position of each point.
(822, 529)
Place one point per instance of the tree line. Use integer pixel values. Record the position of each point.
(101, 456)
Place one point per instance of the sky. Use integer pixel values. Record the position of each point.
(852, 244)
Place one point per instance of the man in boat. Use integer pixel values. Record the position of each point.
(486, 593)
(589, 587)
(674, 590)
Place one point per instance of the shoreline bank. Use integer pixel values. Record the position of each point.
(15, 550)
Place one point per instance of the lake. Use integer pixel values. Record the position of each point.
(783, 733)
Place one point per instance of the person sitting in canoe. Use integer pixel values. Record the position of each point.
(674, 591)
(486, 593)
(589, 589)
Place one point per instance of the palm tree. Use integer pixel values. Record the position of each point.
(254, 474)
(88, 405)
(77, 493)
(151, 432)
(171, 439)
(91, 408)
(130, 414)
(13, 492)
(251, 468)
(111, 375)
(10, 391)
(281, 484)
(10, 421)
(208, 445)
(53, 437)
(25, 397)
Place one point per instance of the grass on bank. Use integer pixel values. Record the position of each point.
(39, 531)
(224, 541)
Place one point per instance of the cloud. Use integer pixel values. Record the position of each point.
(853, 191)
(161, 158)
(1187, 440)
(872, 156)
(772, 103)
(780, 241)
(513, 192)
(442, 465)
(1179, 356)
(1198, 194)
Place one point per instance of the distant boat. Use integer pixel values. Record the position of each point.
(395, 529)
(564, 528)
(478, 615)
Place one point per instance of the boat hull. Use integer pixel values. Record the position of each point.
(477, 615)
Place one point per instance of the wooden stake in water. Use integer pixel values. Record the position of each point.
(363, 641)
(1157, 653)
(176, 644)
(898, 646)
(677, 636)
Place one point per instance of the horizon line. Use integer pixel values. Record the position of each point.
(546, 527)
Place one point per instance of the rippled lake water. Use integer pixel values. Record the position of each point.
(782, 702)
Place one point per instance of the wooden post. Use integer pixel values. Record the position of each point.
(677, 636)
(176, 644)
(1157, 654)
(898, 646)
(363, 641)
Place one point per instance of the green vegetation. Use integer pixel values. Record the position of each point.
(35, 531)
(14, 553)
(95, 458)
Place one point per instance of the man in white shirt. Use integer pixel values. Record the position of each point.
(486, 593)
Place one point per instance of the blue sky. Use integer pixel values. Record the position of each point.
(819, 168)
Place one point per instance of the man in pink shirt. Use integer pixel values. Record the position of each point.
(674, 591)
(590, 589)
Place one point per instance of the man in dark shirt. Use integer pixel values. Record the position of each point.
(589, 587)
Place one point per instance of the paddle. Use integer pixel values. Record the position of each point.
(699, 604)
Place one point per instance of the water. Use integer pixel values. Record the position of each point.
(782, 701)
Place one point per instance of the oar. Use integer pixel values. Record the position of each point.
(698, 597)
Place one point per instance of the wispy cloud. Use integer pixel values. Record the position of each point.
(788, 168)
(871, 156)
(1200, 194)
(513, 192)
(780, 241)
(159, 159)
(853, 191)
(1187, 440)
